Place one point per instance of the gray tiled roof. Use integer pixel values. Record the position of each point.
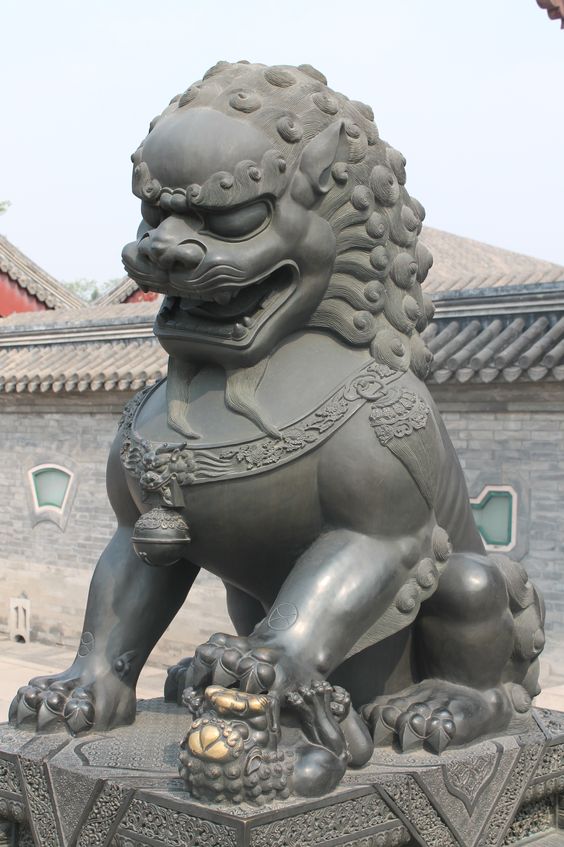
(497, 347)
(93, 349)
(461, 264)
(34, 279)
(119, 293)
(112, 315)
(93, 366)
(500, 316)
(113, 348)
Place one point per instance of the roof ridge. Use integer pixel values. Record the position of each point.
(476, 242)
(118, 294)
(462, 263)
(30, 276)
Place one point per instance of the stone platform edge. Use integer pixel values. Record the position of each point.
(504, 791)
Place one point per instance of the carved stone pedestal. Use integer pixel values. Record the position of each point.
(122, 789)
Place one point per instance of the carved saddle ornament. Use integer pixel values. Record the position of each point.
(162, 469)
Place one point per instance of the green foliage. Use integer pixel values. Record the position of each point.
(4, 206)
(90, 289)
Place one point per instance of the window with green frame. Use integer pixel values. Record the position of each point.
(50, 484)
(495, 515)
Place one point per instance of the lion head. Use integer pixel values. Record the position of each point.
(270, 204)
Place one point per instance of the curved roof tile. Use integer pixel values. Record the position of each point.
(461, 264)
(34, 279)
(501, 348)
(494, 347)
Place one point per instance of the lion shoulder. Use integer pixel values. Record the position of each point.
(384, 465)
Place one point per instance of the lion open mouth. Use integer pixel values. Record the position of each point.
(230, 313)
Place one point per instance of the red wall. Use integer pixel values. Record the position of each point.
(140, 295)
(14, 298)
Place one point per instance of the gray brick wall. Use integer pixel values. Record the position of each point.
(523, 448)
(75, 440)
(53, 567)
(509, 435)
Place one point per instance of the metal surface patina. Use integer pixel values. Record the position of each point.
(295, 452)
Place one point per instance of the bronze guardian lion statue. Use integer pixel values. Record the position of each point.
(295, 452)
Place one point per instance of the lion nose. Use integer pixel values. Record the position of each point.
(171, 244)
(166, 252)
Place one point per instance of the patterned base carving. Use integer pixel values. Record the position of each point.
(122, 789)
(532, 819)
(7, 834)
(41, 813)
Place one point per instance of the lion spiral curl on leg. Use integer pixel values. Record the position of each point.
(294, 451)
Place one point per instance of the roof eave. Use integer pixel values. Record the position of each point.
(512, 299)
(34, 279)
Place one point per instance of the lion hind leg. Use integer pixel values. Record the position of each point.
(422, 582)
(478, 641)
(527, 607)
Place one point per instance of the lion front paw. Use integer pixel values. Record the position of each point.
(418, 725)
(435, 714)
(175, 681)
(54, 707)
(72, 703)
(226, 660)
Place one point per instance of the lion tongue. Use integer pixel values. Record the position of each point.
(241, 305)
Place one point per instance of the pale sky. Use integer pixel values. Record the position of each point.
(471, 92)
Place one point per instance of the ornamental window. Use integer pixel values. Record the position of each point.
(51, 487)
(495, 513)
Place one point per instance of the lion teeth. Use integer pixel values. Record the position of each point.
(239, 331)
(247, 321)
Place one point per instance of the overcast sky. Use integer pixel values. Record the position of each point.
(471, 93)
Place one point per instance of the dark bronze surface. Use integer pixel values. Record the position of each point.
(295, 452)
(121, 788)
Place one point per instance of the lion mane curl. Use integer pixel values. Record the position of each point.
(374, 297)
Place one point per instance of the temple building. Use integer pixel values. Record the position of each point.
(25, 287)
(66, 371)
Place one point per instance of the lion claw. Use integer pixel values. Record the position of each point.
(442, 731)
(50, 712)
(79, 714)
(23, 712)
(224, 660)
(382, 734)
(193, 700)
(47, 720)
(294, 699)
(414, 726)
(411, 732)
(25, 705)
(52, 708)
(340, 703)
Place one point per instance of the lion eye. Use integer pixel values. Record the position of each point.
(238, 223)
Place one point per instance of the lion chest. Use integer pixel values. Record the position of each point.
(253, 505)
(251, 530)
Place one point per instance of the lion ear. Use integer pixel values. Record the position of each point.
(313, 176)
